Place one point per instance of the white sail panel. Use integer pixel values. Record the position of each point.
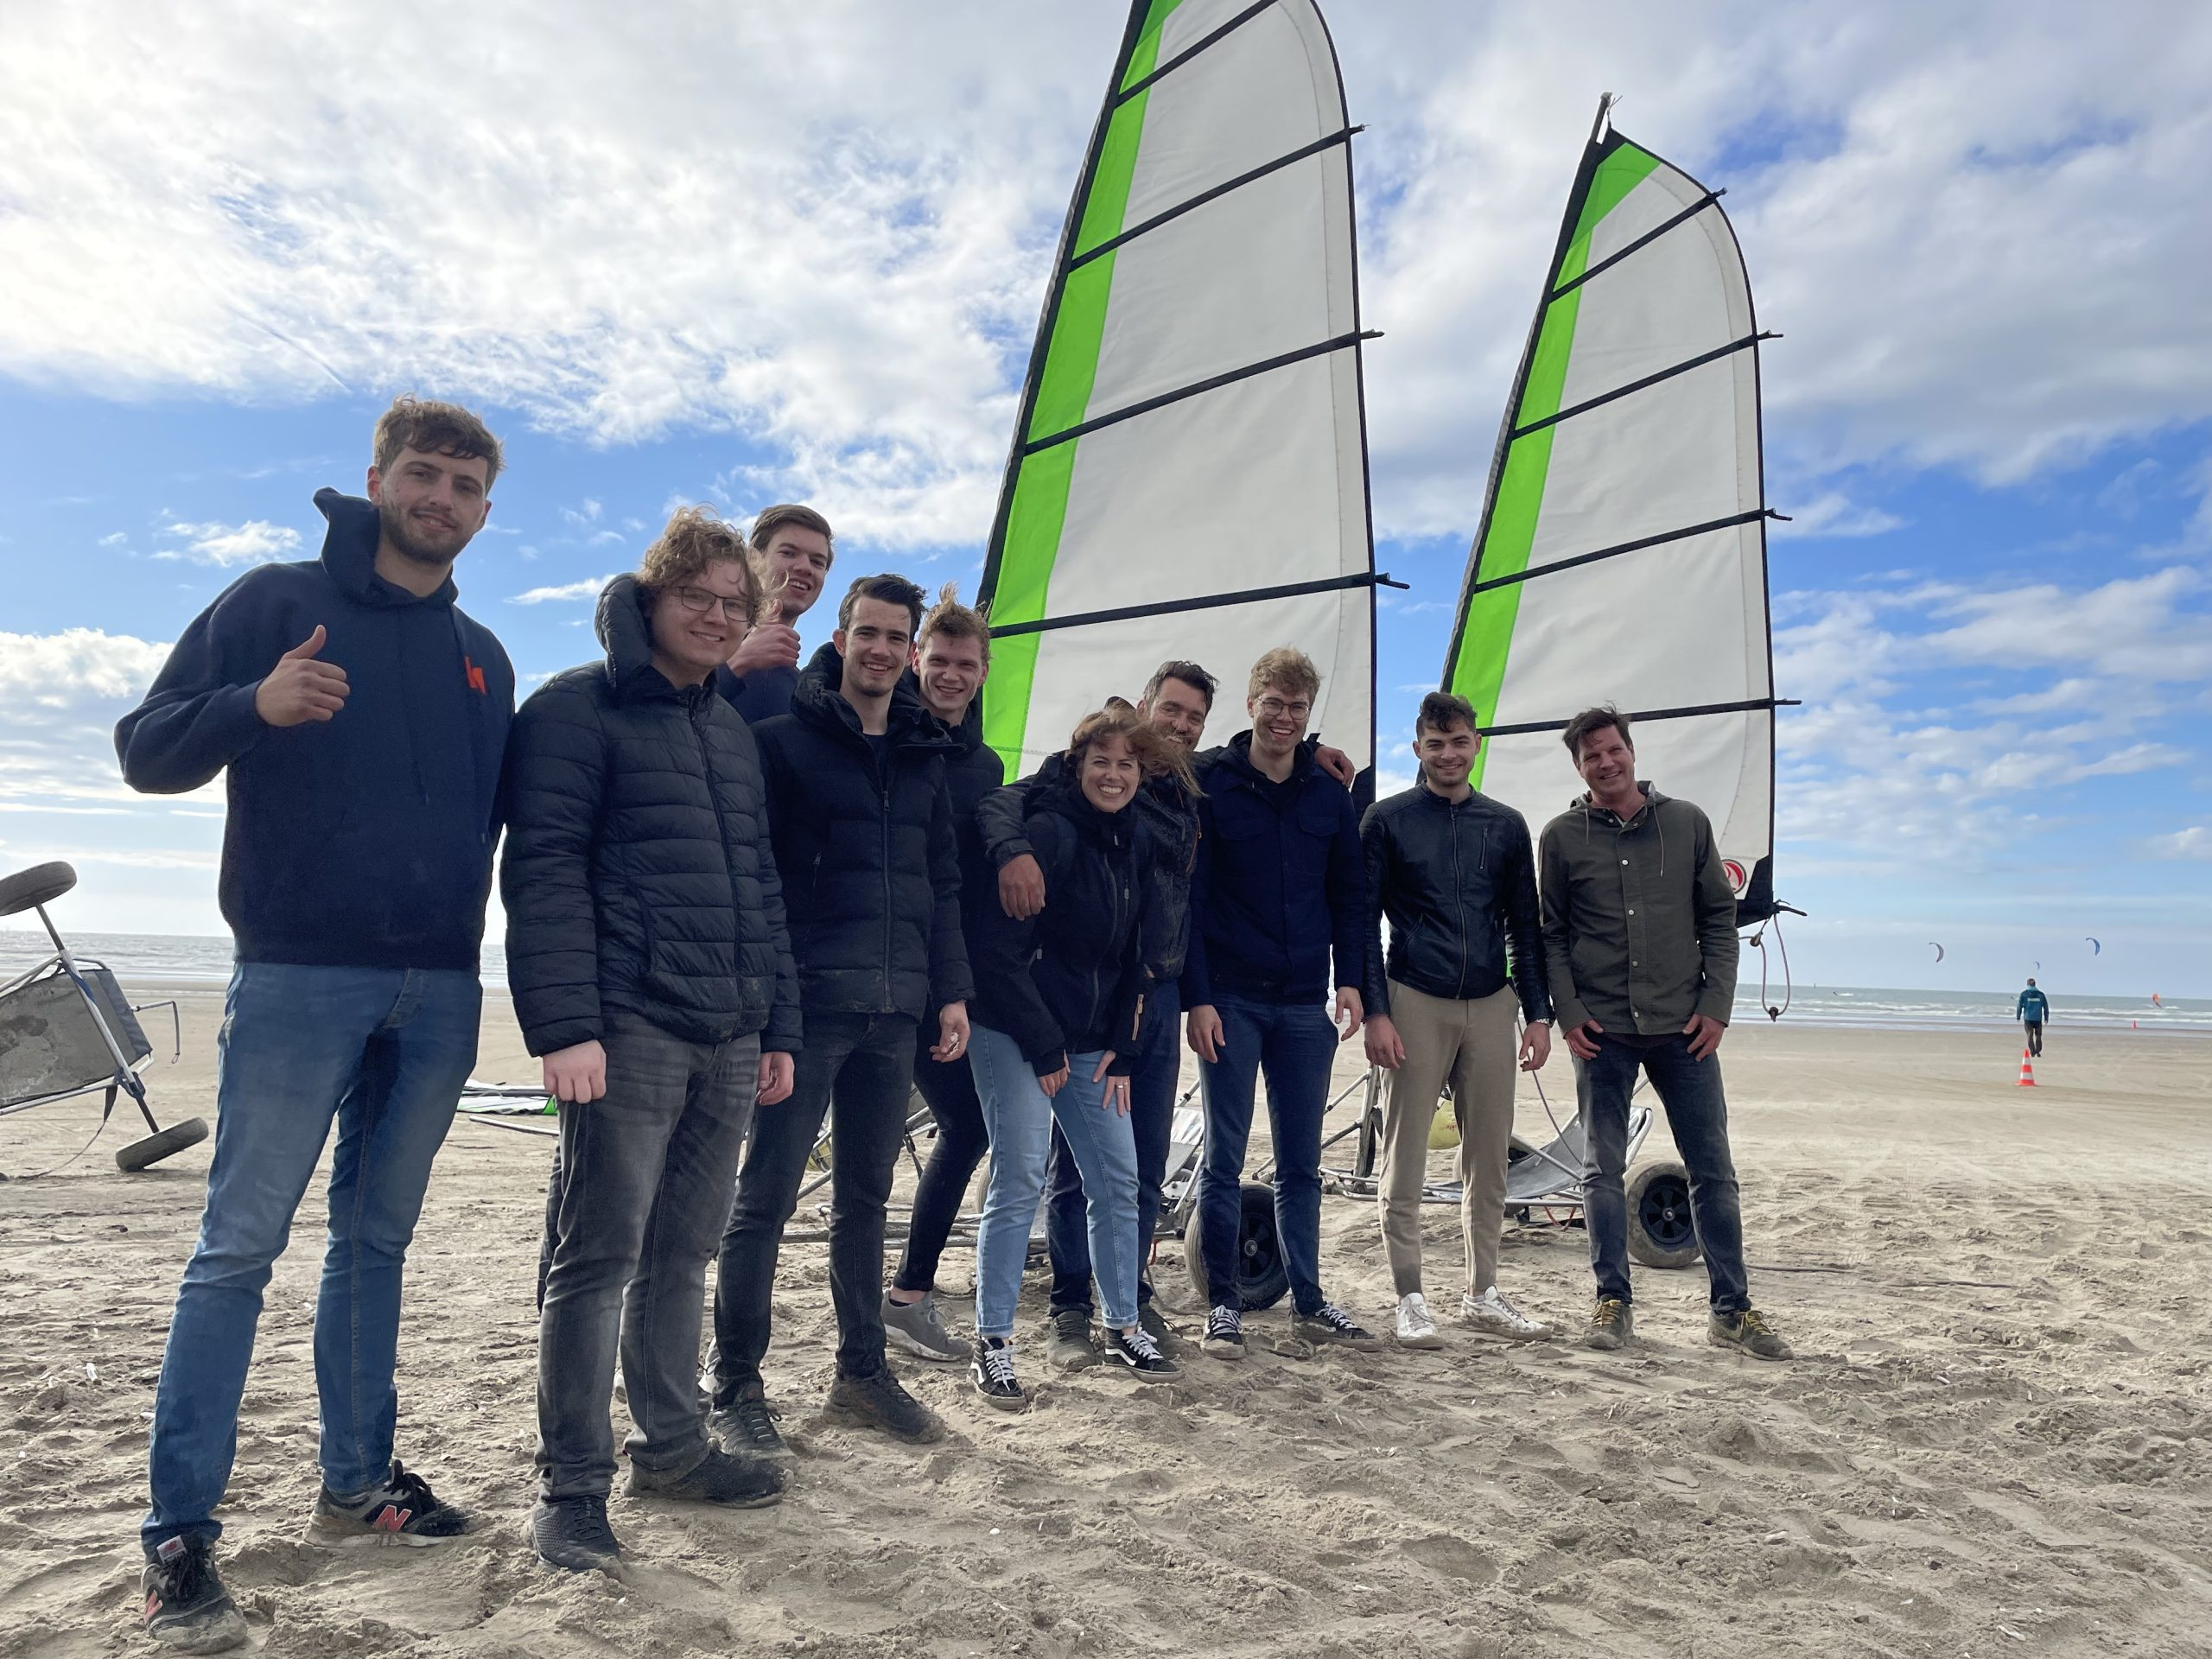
(1191, 437)
(1621, 557)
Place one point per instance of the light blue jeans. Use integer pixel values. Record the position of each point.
(384, 1051)
(1020, 1117)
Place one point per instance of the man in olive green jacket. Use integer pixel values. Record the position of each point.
(1639, 928)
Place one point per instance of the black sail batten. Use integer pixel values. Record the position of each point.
(1645, 385)
(1640, 244)
(1741, 706)
(1637, 546)
(1189, 52)
(1200, 602)
(1342, 136)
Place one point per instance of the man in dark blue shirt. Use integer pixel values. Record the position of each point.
(2032, 1009)
(1277, 894)
(793, 550)
(361, 718)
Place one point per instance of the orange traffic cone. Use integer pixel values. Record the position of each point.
(2027, 1072)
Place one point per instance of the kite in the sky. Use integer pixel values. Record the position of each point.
(1937, 948)
(2095, 950)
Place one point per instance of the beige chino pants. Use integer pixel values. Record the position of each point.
(1471, 1044)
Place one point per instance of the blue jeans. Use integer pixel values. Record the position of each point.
(385, 1051)
(648, 1172)
(1152, 1121)
(1294, 1043)
(1697, 1113)
(1020, 1117)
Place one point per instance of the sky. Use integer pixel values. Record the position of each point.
(678, 252)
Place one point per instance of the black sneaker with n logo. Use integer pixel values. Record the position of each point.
(186, 1606)
(400, 1510)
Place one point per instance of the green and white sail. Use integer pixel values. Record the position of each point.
(1622, 552)
(1188, 475)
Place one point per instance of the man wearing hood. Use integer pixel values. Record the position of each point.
(652, 973)
(862, 827)
(1639, 926)
(360, 717)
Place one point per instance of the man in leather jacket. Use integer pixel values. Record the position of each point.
(1455, 873)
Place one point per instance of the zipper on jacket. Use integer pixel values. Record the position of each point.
(1459, 896)
(695, 713)
(883, 792)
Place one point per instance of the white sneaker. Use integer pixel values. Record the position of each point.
(1416, 1326)
(1492, 1313)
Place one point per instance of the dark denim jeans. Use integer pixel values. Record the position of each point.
(858, 1067)
(1295, 1045)
(384, 1051)
(962, 1141)
(1152, 1119)
(644, 1194)
(1697, 1114)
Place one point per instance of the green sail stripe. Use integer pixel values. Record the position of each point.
(1038, 509)
(1147, 56)
(1486, 638)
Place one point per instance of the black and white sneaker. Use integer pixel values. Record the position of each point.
(572, 1534)
(1224, 1337)
(187, 1608)
(992, 1370)
(747, 1424)
(1139, 1354)
(400, 1510)
(1329, 1323)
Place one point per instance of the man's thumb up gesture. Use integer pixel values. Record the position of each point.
(300, 689)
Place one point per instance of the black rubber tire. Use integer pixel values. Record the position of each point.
(1263, 1280)
(1660, 1233)
(141, 1154)
(41, 884)
(1370, 1130)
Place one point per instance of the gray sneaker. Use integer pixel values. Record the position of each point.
(1749, 1331)
(916, 1327)
(1611, 1325)
(1069, 1348)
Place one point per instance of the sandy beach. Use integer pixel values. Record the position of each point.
(1997, 1440)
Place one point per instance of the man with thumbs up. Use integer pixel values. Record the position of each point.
(360, 718)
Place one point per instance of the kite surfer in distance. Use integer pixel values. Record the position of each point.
(2033, 1008)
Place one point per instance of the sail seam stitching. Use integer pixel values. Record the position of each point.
(1634, 386)
(1193, 50)
(1212, 383)
(1342, 136)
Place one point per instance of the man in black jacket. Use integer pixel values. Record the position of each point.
(862, 826)
(1453, 871)
(952, 657)
(360, 717)
(652, 973)
(1276, 898)
(792, 550)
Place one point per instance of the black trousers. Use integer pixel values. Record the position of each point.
(857, 1068)
(962, 1141)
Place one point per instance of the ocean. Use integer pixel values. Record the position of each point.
(172, 956)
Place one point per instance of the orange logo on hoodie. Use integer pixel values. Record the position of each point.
(475, 677)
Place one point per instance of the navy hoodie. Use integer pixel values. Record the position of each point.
(361, 842)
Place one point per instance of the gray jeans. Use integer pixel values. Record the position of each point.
(646, 1176)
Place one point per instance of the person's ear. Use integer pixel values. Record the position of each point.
(376, 486)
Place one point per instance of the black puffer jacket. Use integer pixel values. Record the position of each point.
(1170, 815)
(1072, 979)
(1459, 883)
(871, 871)
(637, 872)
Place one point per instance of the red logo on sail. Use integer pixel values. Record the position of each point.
(1737, 879)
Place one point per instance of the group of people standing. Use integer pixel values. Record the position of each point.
(745, 895)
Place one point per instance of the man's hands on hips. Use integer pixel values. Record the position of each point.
(1385, 1047)
(951, 1033)
(1535, 1045)
(776, 1074)
(1705, 1033)
(577, 1074)
(1022, 886)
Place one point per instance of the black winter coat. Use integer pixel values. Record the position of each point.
(1072, 979)
(638, 872)
(1458, 883)
(1169, 813)
(871, 870)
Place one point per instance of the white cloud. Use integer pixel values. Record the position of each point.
(1966, 228)
(1832, 514)
(2196, 841)
(61, 671)
(255, 542)
(63, 693)
(566, 593)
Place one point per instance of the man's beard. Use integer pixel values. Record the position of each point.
(411, 547)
